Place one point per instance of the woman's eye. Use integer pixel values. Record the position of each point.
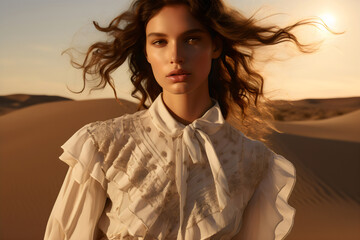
(158, 42)
(192, 40)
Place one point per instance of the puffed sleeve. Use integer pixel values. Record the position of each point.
(82, 197)
(268, 215)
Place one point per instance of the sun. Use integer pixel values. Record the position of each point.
(329, 19)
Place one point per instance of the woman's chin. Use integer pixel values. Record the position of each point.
(178, 88)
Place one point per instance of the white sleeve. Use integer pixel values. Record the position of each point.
(268, 215)
(82, 197)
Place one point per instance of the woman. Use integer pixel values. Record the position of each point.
(177, 170)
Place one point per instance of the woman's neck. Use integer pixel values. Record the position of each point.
(186, 108)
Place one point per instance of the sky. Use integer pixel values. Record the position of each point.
(35, 32)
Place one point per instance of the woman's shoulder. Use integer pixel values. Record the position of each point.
(103, 139)
(248, 144)
(252, 158)
(104, 133)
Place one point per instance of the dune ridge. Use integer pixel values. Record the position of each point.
(345, 127)
(10, 103)
(313, 109)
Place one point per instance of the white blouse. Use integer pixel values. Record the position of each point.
(147, 176)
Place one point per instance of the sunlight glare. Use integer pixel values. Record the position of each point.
(329, 19)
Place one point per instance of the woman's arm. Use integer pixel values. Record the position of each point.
(268, 215)
(82, 197)
(77, 210)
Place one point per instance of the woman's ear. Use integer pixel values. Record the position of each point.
(217, 48)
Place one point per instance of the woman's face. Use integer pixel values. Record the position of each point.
(179, 50)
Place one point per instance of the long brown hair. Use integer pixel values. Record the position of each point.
(233, 80)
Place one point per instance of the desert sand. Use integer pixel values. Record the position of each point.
(326, 154)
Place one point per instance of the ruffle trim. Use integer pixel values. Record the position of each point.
(284, 177)
(213, 223)
(142, 215)
(82, 155)
(269, 216)
(204, 229)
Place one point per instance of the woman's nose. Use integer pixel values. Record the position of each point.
(176, 53)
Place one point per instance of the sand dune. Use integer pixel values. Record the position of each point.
(326, 196)
(345, 127)
(326, 154)
(313, 109)
(15, 102)
(30, 172)
(327, 192)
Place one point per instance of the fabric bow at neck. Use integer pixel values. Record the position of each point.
(188, 142)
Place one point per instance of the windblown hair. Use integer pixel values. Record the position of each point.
(233, 79)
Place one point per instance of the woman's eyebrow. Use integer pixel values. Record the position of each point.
(191, 31)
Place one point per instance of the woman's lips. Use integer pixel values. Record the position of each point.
(178, 77)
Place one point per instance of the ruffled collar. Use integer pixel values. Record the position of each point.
(188, 139)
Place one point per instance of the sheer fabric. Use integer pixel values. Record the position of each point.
(147, 176)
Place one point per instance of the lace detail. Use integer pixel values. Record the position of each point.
(103, 134)
(133, 168)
